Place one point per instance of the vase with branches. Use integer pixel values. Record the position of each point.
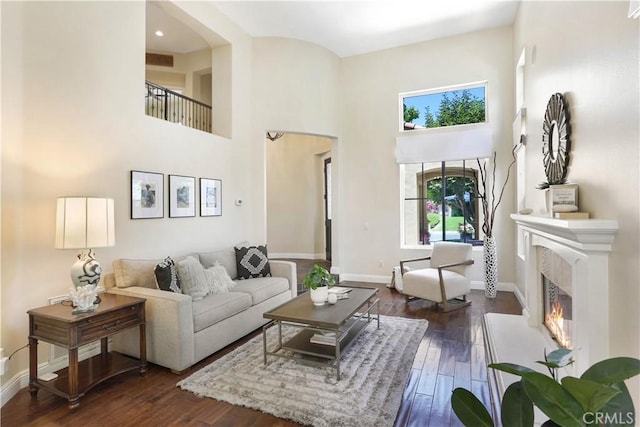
(490, 201)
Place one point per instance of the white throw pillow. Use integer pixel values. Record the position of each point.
(218, 279)
(193, 278)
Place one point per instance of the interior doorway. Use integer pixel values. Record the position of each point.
(299, 197)
(327, 207)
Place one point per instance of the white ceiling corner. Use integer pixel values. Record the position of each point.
(346, 28)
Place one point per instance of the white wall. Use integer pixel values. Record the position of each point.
(74, 124)
(589, 51)
(295, 190)
(370, 230)
(296, 89)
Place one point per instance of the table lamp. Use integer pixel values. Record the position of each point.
(85, 223)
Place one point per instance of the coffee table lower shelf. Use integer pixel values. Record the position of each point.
(300, 347)
(301, 342)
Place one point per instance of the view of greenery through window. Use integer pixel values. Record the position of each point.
(448, 108)
(440, 198)
(438, 208)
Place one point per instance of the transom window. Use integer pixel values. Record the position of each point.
(440, 107)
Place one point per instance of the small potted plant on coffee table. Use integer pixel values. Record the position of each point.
(318, 280)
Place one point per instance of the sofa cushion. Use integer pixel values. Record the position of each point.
(214, 308)
(167, 277)
(227, 258)
(135, 272)
(262, 288)
(193, 278)
(252, 261)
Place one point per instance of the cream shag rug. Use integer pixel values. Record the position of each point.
(374, 371)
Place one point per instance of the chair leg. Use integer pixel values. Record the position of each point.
(455, 304)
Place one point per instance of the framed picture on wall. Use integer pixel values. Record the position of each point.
(182, 196)
(210, 197)
(147, 195)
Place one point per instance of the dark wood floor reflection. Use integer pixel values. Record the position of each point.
(451, 355)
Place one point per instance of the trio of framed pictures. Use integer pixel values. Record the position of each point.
(147, 196)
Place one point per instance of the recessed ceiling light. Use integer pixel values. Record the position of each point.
(159, 33)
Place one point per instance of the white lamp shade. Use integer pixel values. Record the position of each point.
(84, 222)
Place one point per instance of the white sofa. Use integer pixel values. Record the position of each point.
(181, 331)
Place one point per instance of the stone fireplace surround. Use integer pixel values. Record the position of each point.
(582, 244)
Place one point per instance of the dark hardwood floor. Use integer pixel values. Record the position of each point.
(451, 355)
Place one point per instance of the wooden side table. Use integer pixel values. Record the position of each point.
(56, 325)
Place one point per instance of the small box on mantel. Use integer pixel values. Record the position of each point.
(571, 215)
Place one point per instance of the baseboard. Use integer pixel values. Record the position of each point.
(15, 384)
(21, 379)
(475, 284)
(521, 299)
(365, 278)
(502, 286)
(275, 255)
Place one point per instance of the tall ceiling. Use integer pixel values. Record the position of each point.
(345, 27)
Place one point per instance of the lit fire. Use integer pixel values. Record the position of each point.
(555, 322)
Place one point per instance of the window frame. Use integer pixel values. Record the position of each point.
(427, 174)
(473, 85)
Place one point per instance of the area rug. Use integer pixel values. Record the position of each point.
(374, 371)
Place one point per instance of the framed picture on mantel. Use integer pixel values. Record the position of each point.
(562, 198)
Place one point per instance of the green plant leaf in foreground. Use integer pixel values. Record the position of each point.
(552, 399)
(517, 408)
(621, 406)
(511, 368)
(469, 409)
(614, 370)
(591, 395)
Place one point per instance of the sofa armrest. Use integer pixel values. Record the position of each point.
(169, 328)
(288, 270)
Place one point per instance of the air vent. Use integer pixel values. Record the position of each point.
(158, 59)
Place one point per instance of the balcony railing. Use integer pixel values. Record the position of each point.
(166, 104)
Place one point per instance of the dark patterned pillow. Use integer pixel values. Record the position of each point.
(252, 261)
(167, 277)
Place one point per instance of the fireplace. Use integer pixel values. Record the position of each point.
(557, 313)
(572, 257)
(556, 279)
(563, 266)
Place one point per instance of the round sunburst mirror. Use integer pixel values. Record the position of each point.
(555, 140)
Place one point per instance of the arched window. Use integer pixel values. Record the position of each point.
(440, 202)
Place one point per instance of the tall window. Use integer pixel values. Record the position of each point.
(438, 187)
(440, 202)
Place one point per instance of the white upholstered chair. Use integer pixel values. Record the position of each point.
(444, 282)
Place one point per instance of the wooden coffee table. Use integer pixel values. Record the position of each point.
(346, 319)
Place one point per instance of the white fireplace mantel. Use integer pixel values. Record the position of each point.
(585, 234)
(585, 245)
